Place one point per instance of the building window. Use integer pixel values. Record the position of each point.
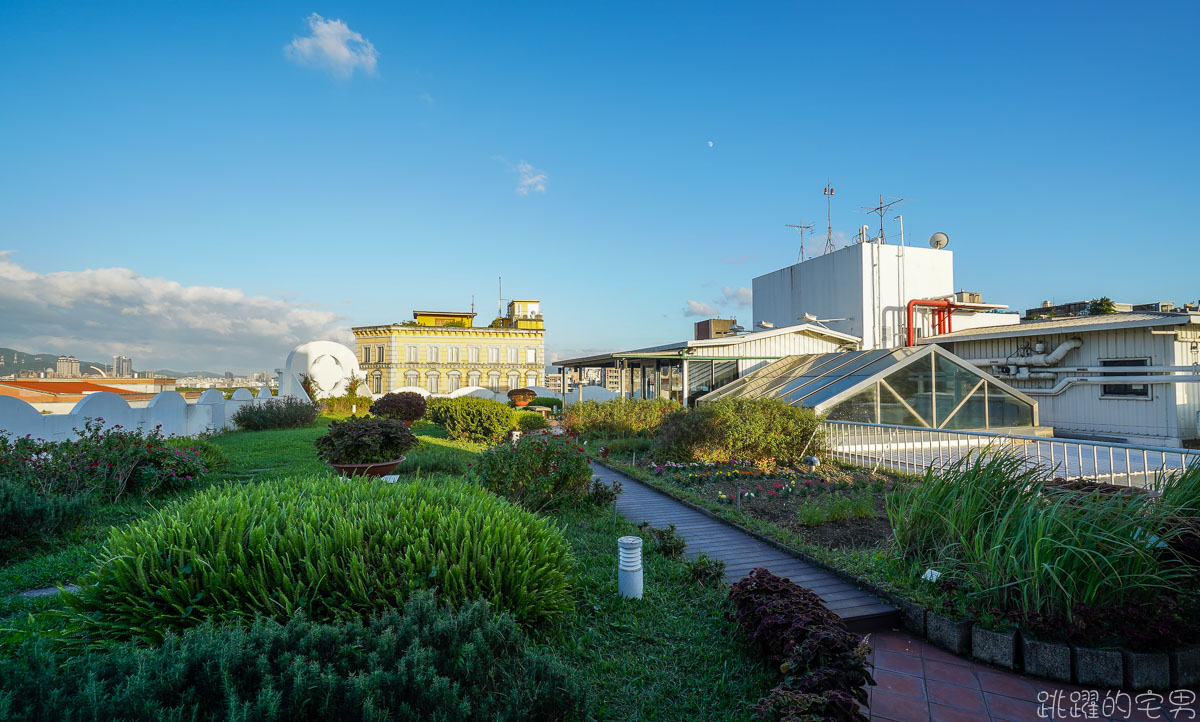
(494, 354)
(412, 379)
(494, 382)
(1125, 391)
(452, 354)
(531, 355)
(431, 382)
(473, 378)
(512, 355)
(379, 354)
(433, 354)
(452, 382)
(410, 354)
(377, 383)
(366, 354)
(514, 380)
(531, 379)
(473, 354)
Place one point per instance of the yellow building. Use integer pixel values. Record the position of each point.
(442, 351)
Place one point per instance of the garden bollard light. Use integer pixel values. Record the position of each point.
(629, 567)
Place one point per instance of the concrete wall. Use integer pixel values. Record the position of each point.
(1082, 410)
(168, 409)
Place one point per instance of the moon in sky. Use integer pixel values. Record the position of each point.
(710, 144)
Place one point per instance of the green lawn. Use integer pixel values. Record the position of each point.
(671, 655)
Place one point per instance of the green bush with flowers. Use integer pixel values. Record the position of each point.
(536, 472)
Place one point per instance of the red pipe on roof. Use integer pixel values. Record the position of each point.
(942, 308)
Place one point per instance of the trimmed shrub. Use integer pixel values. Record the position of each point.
(28, 516)
(346, 405)
(284, 412)
(424, 663)
(536, 472)
(764, 431)
(334, 549)
(363, 440)
(531, 421)
(404, 406)
(547, 401)
(617, 418)
(470, 419)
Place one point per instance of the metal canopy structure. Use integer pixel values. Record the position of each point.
(919, 386)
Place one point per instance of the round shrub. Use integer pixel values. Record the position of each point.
(426, 662)
(470, 419)
(333, 549)
(365, 440)
(531, 421)
(547, 401)
(405, 406)
(284, 412)
(536, 471)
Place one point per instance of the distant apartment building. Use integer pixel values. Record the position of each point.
(122, 367)
(67, 366)
(443, 351)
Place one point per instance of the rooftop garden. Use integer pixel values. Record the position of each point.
(987, 541)
(238, 573)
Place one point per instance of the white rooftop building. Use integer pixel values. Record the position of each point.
(865, 290)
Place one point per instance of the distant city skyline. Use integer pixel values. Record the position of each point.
(203, 187)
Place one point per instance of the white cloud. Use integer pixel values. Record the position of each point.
(530, 179)
(96, 313)
(334, 47)
(698, 308)
(740, 296)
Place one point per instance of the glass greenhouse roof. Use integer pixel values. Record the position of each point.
(923, 386)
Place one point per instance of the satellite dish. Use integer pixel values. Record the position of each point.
(939, 240)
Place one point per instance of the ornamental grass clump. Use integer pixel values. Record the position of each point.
(990, 524)
(422, 662)
(330, 548)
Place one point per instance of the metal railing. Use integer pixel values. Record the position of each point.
(914, 449)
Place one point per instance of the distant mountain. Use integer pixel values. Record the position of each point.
(13, 361)
(183, 374)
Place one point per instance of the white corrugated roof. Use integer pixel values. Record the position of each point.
(1105, 322)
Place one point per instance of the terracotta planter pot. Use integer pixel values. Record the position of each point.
(379, 468)
(521, 401)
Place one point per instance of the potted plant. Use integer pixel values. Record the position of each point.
(406, 407)
(521, 397)
(367, 446)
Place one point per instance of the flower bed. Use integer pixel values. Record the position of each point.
(831, 507)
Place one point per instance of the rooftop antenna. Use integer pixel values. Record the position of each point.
(828, 218)
(499, 296)
(880, 210)
(802, 228)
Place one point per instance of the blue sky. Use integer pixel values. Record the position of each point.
(185, 149)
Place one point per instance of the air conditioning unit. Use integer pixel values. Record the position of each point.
(968, 297)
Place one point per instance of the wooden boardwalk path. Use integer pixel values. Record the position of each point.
(862, 611)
